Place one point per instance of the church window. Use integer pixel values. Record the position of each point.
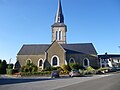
(40, 62)
(55, 61)
(71, 60)
(60, 35)
(28, 61)
(86, 62)
(56, 35)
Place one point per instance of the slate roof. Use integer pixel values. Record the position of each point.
(109, 56)
(83, 48)
(37, 49)
(33, 49)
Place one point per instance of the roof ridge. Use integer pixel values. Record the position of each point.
(34, 44)
(75, 43)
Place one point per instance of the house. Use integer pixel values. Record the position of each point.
(109, 60)
(59, 52)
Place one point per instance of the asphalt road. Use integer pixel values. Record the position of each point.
(105, 83)
(97, 82)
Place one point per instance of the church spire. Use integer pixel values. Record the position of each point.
(59, 29)
(59, 18)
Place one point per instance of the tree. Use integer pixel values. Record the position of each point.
(3, 66)
(0, 61)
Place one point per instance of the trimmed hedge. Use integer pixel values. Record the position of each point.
(42, 73)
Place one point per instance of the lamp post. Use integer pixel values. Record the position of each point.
(10, 60)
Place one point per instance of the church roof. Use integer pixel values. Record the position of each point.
(83, 48)
(37, 49)
(33, 49)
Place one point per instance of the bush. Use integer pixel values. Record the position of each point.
(51, 68)
(47, 69)
(9, 71)
(10, 66)
(90, 70)
(102, 70)
(65, 68)
(42, 73)
(29, 68)
(74, 66)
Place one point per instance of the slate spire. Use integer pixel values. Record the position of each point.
(59, 18)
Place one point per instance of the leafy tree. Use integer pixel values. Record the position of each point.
(0, 61)
(3, 66)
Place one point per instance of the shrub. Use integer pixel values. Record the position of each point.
(102, 70)
(51, 68)
(74, 66)
(36, 73)
(65, 68)
(10, 66)
(90, 70)
(47, 69)
(29, 68)
(9, 71)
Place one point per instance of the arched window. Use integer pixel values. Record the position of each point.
(60, 35)
(55, 61)
(28, 61)
(40, 63)
(56, 35)
(71, 60)
(86, 62)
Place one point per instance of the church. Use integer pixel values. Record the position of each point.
(59, 52)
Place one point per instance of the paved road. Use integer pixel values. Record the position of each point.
(78, 83)
(106, 83)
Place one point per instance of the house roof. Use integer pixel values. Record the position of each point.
(109, 56)
(37, 49)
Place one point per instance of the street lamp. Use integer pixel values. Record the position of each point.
(10, 60)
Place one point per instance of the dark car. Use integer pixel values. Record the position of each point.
(74, 73)
(55, 74)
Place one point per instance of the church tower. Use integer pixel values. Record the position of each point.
(59, 29)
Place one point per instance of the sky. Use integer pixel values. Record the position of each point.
(88, 21)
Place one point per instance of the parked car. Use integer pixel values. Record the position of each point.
(74, 73)
(55, 74)
(114, 69)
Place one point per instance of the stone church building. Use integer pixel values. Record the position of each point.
(59, 52)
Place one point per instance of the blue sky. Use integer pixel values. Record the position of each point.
(29, 22)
